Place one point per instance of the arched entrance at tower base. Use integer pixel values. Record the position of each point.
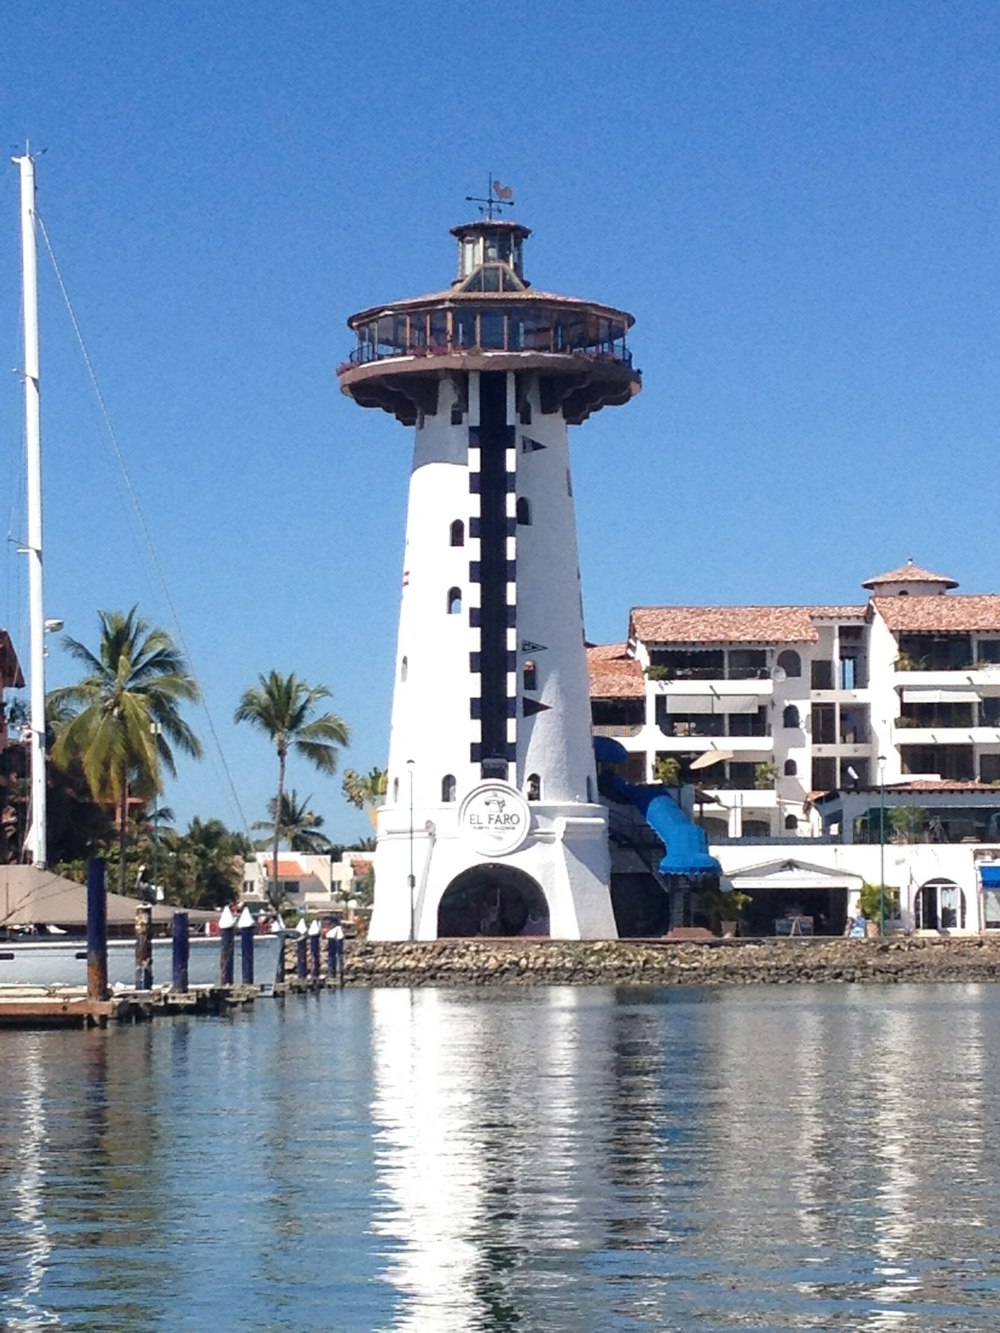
(492, 899)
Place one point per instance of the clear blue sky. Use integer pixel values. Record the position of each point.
(798, 201)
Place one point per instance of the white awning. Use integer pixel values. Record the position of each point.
(912, 694)
(712, 703)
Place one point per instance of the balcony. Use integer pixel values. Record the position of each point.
(485, 325)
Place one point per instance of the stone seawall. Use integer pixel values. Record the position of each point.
(487, 962)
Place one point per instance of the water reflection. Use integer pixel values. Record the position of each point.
(555, 1158)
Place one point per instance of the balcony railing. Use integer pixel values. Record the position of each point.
(491, 328)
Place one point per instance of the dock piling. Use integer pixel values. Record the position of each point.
(181, 952)
(247, 928)
(144, 947)
(97, 929)
(227, 931)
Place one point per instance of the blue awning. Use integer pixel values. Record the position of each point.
(609, 751)
(991, 876)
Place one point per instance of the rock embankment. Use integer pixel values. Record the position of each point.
(493, 962)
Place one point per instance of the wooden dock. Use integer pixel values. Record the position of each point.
(70, 1006)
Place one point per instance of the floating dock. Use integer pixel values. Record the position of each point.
(70, 1006)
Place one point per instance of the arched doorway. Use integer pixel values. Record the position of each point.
(939, 905)
(492, 899)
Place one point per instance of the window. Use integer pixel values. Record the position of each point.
(458, 533)
(822, 674)
(530, 674)
(791, 824)
(791, 768)
(790, 717)
(403, 668)
(454, 601)
(395, 790)
(790, 663)
(590, 790)
(448, 787)
(524, 511)
(824, 724)
(534, 787)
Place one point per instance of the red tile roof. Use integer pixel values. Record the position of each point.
(614, 675)
(910, 573)
(733, 624)
(287, 870)
(938, 613)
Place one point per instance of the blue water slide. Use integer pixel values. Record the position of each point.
(685, 843)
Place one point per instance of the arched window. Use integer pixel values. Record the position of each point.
(790, 662)
(791, 768)
(448, 787)
(454, 601)
(403, 669)
(524, 511)
(530, 674)
(939, 905)
(590, 790)
(458, 533)
(791, 823)
(790, 717)
(534, 787)
(395, 790)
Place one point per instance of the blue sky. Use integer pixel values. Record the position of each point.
(796, 200)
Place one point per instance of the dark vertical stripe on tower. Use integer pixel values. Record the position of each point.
(494, 438)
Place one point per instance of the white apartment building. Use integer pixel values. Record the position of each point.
(762, 706)
(790, 722)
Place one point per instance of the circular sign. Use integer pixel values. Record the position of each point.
(494, 819)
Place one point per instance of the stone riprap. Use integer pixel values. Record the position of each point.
(491, 962)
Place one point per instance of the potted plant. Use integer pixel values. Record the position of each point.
(667, 770)
(872, 899)
(764, 775)
(723, 908)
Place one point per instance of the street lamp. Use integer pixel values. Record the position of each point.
(411, 878)
(881, 844)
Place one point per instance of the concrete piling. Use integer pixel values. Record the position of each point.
(247, 928)
(181, 952)
(227, 932)
(97, 929)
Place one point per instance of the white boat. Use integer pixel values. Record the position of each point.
(63, 962)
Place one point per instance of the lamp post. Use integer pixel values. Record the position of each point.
(881, 844)
(411, 878)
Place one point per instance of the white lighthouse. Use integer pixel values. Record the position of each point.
(491, 823)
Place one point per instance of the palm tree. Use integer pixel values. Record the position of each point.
(124, 719)
(365, 790)
(300, 826)
(284, 707)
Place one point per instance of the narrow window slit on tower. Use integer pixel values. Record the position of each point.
(448, 787)
(530, 676)
(458, 533)
(454, 601)
(524, 511)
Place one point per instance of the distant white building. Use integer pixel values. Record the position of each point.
(801, 724)
(311, 883)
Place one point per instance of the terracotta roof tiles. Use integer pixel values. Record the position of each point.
(941, 614)
(613, 675)
(733, 624)
(910, 573)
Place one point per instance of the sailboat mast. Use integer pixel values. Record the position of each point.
(32, 432)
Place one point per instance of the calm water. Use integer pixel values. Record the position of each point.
(821, 1158)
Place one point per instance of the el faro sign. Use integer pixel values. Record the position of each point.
(494, 819)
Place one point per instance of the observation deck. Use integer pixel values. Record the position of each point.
(490, 319)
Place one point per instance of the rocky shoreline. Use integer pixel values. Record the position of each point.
(502, 962)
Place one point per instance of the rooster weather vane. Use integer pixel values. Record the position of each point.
(497, 197)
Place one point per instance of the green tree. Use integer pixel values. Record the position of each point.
(123, 720)
(299, 826)
(284, 709)
(366, 790)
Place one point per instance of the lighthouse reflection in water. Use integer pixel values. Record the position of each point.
(551, 1158)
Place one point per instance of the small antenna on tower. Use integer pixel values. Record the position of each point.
(497, 196)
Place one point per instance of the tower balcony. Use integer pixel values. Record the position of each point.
(579, 350)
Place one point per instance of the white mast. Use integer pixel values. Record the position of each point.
(36, 840)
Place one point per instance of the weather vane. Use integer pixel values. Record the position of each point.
(497, 196)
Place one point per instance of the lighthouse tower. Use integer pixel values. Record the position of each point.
(491, 823)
